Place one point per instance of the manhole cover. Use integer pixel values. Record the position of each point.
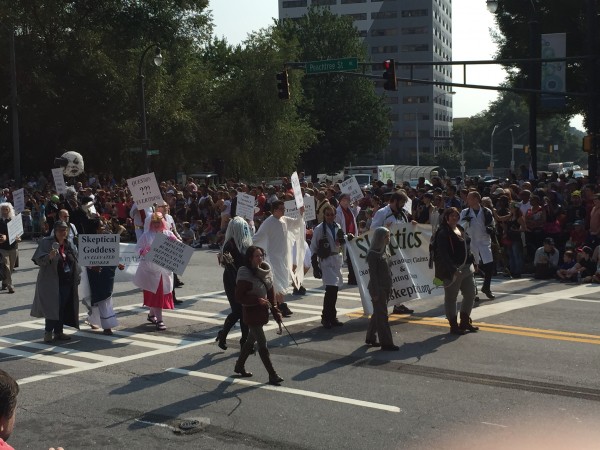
(189, 424)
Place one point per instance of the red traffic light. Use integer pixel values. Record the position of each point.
(389, 75)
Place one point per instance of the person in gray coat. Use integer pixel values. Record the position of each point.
(56, 298)
(380, 288)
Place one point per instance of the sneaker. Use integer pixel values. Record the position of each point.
(285, 311)
(326, 323)
(62, 337)
(48, 337)
(302, 290)
(401, 309)
(336, 323)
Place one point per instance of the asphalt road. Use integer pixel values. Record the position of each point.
(527, 379)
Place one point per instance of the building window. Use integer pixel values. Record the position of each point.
(360, 16)
(415, 12)
(362, 33)
(294, 4)
(385, 32)
(414, 30)
(391, 100)
(344, 2)
(414, 48)
(384, 49)
(415, 99)
(384, 15)
(323, 2)
(393, 117)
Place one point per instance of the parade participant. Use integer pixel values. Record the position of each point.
(326, 248)
(64, 215)
(155, 281)
(346, 218)
(380, 288)
(237, 240)
(478, 222)
(51, 211)
(394, 213)
(8, 251)
(274, 236)
(56, 298)
(254, 290)
(454, 266)
(9, 389)
(139, 217)
(102, 280)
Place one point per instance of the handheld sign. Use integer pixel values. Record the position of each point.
(130, 258)
(98, 249)
(309, 209)
(19, 199)
(144, 190)
(245, 206)
(352, 188)
(170, 254)
(15, 228)
(297, 191)
(59, 180)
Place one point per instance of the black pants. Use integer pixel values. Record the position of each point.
(236, 308)
(65, 293)
(329, 301)
(487, 269)
(351, 275)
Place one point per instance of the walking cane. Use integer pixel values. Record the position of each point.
(280, 331)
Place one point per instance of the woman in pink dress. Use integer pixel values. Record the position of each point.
(156, 282)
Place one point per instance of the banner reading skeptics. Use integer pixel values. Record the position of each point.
(409, 262)
(98, 250)
(170, 254)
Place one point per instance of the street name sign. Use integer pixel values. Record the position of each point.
(332, 65)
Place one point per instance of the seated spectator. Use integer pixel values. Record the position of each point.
(187, 234)
(566, 271)
(577, 236)
(546, 260)
(586, 267)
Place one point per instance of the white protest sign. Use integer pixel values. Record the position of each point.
(408, 206)
(59, 180)
(130, 258)
(144, 190)
(19, 200)
(170, 254)
(352, 188)
(291, 210)
(310, 212)
(245, 205)
(98, 249)
(409, 264)
(15, 228)
(298, 197)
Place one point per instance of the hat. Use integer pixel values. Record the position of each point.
(55, 198)
(585, 249)
(576, 194)
(60, 224)
(549, 241)
(498, 191)
(578, 222)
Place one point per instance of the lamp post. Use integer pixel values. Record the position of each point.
(143, 130)
(14, 106)
(492, 150)
(534, 76)
(512, 151)
(417, 120)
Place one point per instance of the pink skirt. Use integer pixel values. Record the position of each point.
(158, 299)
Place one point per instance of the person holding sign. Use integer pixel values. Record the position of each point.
(8, 251)
(454, 266)
(380, 288)
(155, 281)
(346, 217)
(56, 297)
(326, 247)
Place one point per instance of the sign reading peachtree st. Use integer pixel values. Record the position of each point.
(332, 65)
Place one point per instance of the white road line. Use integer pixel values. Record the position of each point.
(45, 358)
(281, 389)
(54, 349)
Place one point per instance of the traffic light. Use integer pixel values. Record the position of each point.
(391, 84)
(283, 86)
(526, 148)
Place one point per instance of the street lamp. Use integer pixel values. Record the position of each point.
(417, 120)
(512, 162)
(158, 59)
(534, 52)
(512, 148)
(13, 107)
(492, 150)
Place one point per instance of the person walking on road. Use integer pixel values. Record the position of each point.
(56, 298)
(237, 240)
(346, 217)
(326, 247)
(380, 287)
(8, 251)
(454, 266)
(254, 291)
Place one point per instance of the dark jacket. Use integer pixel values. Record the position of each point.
(450, 251)
(380, 276)
(250, 290)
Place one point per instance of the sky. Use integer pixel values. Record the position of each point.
(471, 40)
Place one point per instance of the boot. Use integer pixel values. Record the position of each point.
(454, 328)
(466, 323)
(266, 360)
(239, 364)
(285, 310)
(222, 334)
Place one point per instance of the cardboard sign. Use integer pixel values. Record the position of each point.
(19, 200)
(352, 188)
(170, 254)
(15, 228)
(245, 205)
(310, 212)
(130, 258)
(298, 197)
(98, 250)
(144, 190)
(59, 180)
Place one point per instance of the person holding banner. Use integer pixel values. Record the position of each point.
(394, 212)
(380, 288)
(454, 266)
(237, 240)
(8, 251)
(346, 217)
(155, 281)
(326, 247)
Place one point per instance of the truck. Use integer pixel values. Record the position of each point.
(365, 175)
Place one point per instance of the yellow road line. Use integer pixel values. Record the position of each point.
(495, 328)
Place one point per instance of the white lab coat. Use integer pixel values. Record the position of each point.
(481, 243)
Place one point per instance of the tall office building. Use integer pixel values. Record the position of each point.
(403, 30)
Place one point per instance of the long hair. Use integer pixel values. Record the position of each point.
(239, 231)
(378, 244)
(328, 207)
(11, 209)
(248, 256)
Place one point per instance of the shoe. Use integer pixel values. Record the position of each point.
(390, 348)
(476, 299)
(295, 291)
(285, 310)
(160, 326)
(152, 319)
(488, 294)
(181, 283)
(11, 290)
(401, 309)
(48, 337)
(92, 326)
(373, 343)
(242, 372)
(326, 323)
(466, 324)
(221, 340)
(302, 290)
(275, 379)
(3, 287)
(336, 323)
(107, 332)
(177, 302)
(62, 337)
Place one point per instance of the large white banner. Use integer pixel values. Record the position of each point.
(554, 45)
(409, 262)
